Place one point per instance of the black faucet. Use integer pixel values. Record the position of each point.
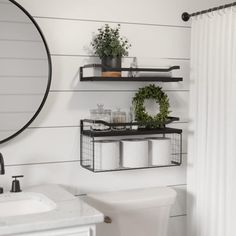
(16, 184)
(2, 169)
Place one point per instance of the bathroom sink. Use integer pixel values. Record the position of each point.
(16, 204)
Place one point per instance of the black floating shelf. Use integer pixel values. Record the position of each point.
(130, 79)
(126, 132)
(133, 69)
(90, 168)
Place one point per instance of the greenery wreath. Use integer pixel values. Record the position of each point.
(156, 93)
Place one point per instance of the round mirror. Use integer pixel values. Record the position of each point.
(25, 69)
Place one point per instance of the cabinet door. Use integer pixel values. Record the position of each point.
(75, 231)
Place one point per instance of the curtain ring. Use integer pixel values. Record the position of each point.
(197, 15)
(209, 14)
(224, 9)
(212, 12)
(219, 10)
(233, 7)
(201, 14)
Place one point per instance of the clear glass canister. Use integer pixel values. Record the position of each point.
(100, 114)
(119, 117)
(94, 115)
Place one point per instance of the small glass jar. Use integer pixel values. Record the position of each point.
(119, 117)
(94, 115)
(100, 114)
(105, 115)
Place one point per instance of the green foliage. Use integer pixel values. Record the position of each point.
(109, 43)
(156, 93)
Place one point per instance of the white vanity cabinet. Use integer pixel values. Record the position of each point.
(75, 231)
(68, 216)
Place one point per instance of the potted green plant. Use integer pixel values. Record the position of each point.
(110, 47)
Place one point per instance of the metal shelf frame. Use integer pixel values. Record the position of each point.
(89, 137)
(130, 79)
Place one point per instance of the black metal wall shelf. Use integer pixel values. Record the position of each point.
(125, 132)
(89, 137)
(88, 167)
(140, 131)
(130, 79)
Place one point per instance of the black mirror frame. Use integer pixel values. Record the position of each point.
(49, 74)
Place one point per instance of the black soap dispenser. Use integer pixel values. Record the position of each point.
(15, 188)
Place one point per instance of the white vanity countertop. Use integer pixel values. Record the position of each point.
(70, 211)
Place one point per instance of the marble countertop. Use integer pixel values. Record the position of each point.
(70, 211)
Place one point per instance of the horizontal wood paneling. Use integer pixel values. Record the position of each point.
(51, 145)
(9, 12)
(156, 41)
(20, 103)
(43, 145)
(19, 31)
(22, 85)
(148, 12)
(167, 13)
(5, 133)
(67, 108)
(4, 2)
(23, 68)
(14, 121)
(20, 49)
(80, 181)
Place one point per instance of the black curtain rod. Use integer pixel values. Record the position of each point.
(186, 16)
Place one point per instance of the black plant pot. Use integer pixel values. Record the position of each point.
(108, 64)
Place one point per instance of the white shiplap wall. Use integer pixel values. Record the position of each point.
(48, 151)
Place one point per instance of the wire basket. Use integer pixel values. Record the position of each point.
(103, 151)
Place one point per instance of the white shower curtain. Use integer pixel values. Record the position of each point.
(212, 134)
